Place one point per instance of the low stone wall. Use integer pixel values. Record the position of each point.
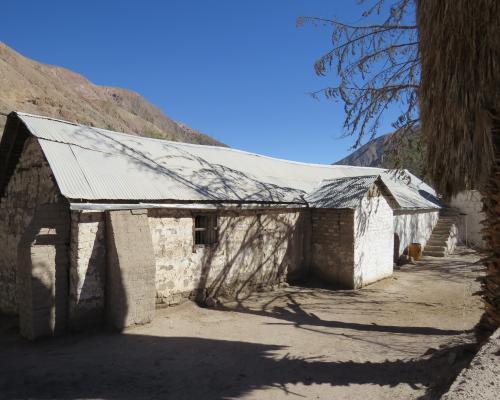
(332, 245)
(414, 226)
(373, 240)
(31, 185)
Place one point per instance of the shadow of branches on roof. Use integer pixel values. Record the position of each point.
(192, 176)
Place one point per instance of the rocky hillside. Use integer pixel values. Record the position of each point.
(369, 155)
(408, 153)
(26, 85)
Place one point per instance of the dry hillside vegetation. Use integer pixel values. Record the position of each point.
(29, 86)
(389, 151)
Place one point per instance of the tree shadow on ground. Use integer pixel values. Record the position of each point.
(294, 312)
(112, 366)
(449, 268)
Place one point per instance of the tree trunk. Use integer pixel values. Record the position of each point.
(491, 234)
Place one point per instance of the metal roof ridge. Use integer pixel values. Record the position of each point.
(173, 143)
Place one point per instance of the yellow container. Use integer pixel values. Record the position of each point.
(415, 251)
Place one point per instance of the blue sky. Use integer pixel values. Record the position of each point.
(237, 70)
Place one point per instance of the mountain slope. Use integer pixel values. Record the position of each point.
(407, 151)
(370, 154)
(26, 85)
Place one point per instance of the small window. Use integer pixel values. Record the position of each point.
(205, 229)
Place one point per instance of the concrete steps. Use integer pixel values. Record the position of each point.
(437, 245)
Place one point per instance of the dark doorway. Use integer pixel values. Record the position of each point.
(396, 247)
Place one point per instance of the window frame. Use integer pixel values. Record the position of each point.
(211, 230)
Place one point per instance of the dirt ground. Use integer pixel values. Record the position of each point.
(402, 338)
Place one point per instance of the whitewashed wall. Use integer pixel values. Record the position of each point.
(374, 240)
(469, 225)
(414, 227)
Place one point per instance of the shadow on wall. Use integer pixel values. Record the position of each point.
(87, 291)
(253, 252)
(111, 366)
(42, 278)
(369, 207)
(270, 250)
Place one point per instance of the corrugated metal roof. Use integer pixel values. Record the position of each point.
(340, 193)
(407, 195)
(96, 164)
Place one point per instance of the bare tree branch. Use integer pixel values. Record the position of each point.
(377, 66)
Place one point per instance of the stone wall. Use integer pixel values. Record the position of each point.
(87, 268)
(469, 225)
(414, 226)
(42, 272)
(255, 249)
(374, 240)
(31, 185)
(332, 245)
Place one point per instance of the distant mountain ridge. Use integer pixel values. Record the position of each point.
(370, 154)
(407, 152)
(37, 88)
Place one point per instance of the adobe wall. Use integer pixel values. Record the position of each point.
(414, 226)
(332, 245)
(31, 185)
(469, 225)
(130, 271)
(374, 240)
